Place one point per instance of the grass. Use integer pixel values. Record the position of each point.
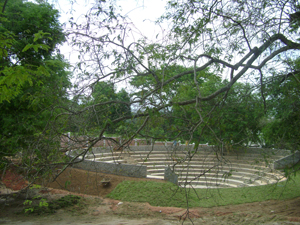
(168, 194)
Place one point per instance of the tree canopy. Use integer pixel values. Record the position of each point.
(30, 34)
(206, 79)
(34, 79)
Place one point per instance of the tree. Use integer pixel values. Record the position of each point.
(209, 38)
(104, 92)
(30, 33)
(33, 80)
(280, 125)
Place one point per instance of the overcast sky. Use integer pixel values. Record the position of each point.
(142, 13)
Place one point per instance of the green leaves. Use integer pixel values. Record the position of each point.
(280, 125)
(107, 105)
(37, 46)
(7, 41)
(41, 35)
(12, 82)
(15, 78)
(33, 80)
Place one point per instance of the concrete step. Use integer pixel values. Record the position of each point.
(114, 161)
(202, 155)
(198, 183)
(232, 180)
(205, 166)
(245, 177)
(155, 177)
(207, 184)
(245, 172)
(204, 186)
(166, 160)
(106, 158)
(104, 154)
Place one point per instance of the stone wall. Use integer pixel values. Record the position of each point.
(263, 151)
(287, 161)
(170, 176)
(69, 140)
(123, 169)
(102, 149)
(128, 170)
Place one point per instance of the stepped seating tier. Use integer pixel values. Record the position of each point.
(206, 169)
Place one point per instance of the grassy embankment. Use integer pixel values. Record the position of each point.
(168, 194)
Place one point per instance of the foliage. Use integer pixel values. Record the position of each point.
(281, 126)
(33, 81)
(45, 207)
(104, 92)
(28, 42)
(209, 77)
(103, 106)
(180, 90)
(234, 119)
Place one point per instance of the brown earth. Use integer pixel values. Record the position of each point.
(86, 182)
(94, 208)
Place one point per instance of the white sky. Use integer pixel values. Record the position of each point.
(142, 13)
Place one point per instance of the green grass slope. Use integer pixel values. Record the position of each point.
(168, 194)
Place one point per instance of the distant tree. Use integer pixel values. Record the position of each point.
(234, 119)
(179, 88)
(115, 108)
(210, 75)
(101, 107)
(281, 123)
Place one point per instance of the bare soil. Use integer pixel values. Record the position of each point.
(94, 208)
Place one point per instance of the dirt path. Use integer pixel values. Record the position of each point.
(99, 210)
(96, 210)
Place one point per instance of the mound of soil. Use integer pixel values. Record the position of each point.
(87, 182)
(13, 180)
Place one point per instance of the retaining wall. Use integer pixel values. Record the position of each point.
(170, 176)
(287, 161)
(206, 148)
(123, 169)
(262, 151)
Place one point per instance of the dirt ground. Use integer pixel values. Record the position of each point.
(94, 208)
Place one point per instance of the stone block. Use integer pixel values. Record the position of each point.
(170, 176)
